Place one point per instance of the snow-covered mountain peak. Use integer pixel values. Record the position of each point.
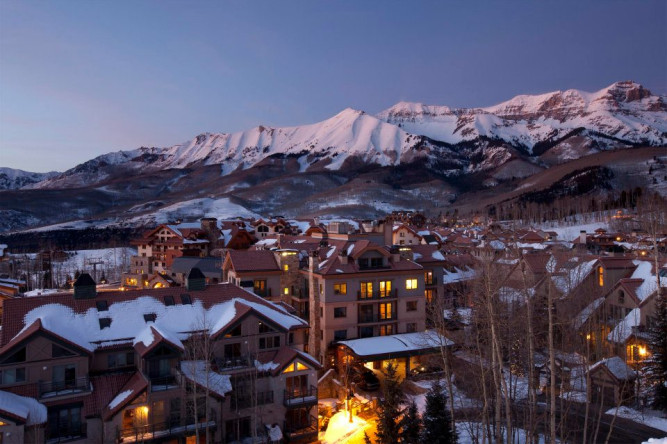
(413, 110)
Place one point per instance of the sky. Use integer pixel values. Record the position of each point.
(79, 79)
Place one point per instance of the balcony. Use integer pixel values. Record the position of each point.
(50, 389)
(432, 282)
(367, 318)
(377, 295)
(159, 430)
(301, 432)
(300, 398)
(232, 362)
(163, 383)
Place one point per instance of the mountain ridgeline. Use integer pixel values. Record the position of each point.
(365, 163)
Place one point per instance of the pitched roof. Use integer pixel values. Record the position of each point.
(76, 320)
(130, 390)
(252, 260)
(105, 388)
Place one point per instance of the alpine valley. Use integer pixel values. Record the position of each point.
(410, 156)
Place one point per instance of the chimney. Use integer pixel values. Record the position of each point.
(343, 257)
(396, 254)
(196, 281)
(387, 231)
(582, 237)
(84, 287)
(314, 260)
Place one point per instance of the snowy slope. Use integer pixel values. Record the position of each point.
(12, 179)
(573, 122)
(350, 133)
(624, 110)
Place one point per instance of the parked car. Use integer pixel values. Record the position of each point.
(365, 378)
(425, 370)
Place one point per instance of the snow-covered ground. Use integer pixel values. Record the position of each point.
(472, 432)
(110, 263)
(461, 401)
(648, 418)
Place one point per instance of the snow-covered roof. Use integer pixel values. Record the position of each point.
(586, 313)
(23, 408)
(127, 321)
(570, 278)
(624, 329)
(402, 344)
(458, 275)
(616, 366)
(200, 373)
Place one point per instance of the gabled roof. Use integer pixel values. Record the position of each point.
(276, 361)
(129, 392)
(37, 327)
(21, 409)
(251, 261)
(616, 367)
(77, 321)
(105, 388)
(151, 337)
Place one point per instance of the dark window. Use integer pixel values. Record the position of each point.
(340, 312)
(185, 299)
(263, 328)
(59, 352)
(340, 335)
(19, 356)
(270, 342)
(150, 317)
(411, 306)
(236, 331)
(232, 350)
(64, 423)
(120, 359)
(376, 262)
(365, 332)
(105, 322)
(168, 301)
(102, 305)
(12, 376)
(363, 263)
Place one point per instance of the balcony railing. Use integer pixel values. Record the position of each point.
(298, 398)
(162, 383)
(391, 294)
(366, 318)
(67, 433)
(432, 282)
(228, 363)
(49, 389)
(158, 430)
(301, 430)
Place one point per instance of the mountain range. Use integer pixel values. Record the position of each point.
(409, 155)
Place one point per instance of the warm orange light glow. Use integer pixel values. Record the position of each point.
(588, 336)
(643, 253)
(642, 351)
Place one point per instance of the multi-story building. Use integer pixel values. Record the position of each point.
(154, 365)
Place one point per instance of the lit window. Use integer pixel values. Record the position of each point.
(601, 276)
(385, 289)
(411, 284)
(366, 290)
(340, 288)
(386, 311)
(285, 267)
(286, 291)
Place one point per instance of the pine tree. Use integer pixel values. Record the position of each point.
(437, 422)
(411, 425)
(390, 409)
(657, 363)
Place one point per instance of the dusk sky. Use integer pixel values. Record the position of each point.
(79, 79)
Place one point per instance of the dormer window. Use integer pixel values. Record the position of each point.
(102, 305)
(150, 317)
(185, 299)
(168, 301)
(104, 323)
